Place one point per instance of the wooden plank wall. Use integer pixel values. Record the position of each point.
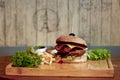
(40, 22)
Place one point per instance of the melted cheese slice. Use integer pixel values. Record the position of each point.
(72, 46)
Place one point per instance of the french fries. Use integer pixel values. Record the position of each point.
(47, 58)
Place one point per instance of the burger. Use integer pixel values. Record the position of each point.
(71, 48)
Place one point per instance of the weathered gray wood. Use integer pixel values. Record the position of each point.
(63, 17)
(10, 19)
(106, 22)
(95, 31)
(30, 27)
(2, 23)
(84, 30)
(115, 29)
(40, 22)
(52, 21)
(74, 16)
(21, 22)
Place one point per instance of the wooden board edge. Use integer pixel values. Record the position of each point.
(110, 65)
(88, 73)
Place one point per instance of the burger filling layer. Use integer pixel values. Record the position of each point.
(65, 50)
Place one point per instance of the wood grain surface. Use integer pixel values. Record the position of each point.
(10, 23)
(2, 23)
(101, 68)
(106, 18)
(40, 22)
(84, 22)
(115, 21)
(5, 60)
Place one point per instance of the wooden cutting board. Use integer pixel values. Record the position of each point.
(101, 68)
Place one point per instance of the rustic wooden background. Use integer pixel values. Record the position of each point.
(40, 22)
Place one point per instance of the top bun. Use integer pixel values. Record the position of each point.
(71, 39)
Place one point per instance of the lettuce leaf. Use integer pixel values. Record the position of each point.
(98, 54)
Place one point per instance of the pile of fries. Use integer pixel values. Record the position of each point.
(45, 54)
(47, 58)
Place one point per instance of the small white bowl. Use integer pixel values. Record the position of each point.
(41, 50)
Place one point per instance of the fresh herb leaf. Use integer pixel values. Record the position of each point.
(98, 54)
(26, 59)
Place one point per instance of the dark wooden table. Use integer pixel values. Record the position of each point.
(4, 60)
